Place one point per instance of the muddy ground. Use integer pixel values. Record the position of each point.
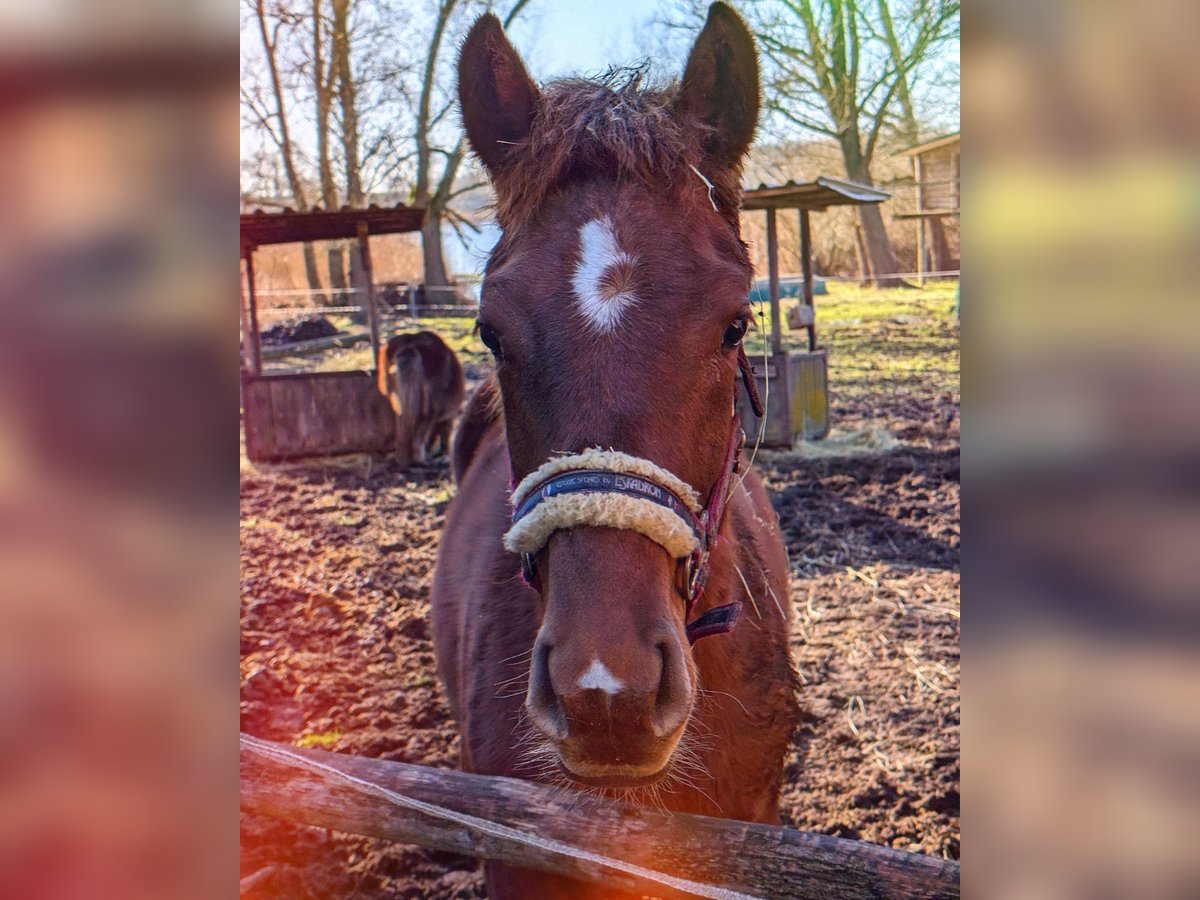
(337, 559)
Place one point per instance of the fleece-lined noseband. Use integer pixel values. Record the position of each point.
(616, 490)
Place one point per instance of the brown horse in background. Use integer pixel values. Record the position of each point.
(423, 380)
(615, 304)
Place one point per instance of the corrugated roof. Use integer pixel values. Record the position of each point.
(934, 144)
(813, 195)
(259, 228)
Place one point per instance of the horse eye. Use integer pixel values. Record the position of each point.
(735, 331)
(488, 335)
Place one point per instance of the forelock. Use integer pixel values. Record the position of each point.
(608, 127)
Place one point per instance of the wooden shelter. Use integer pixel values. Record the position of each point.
(294, 414)
(936, 171)
(798, 404)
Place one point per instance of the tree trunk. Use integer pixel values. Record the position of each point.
(313, 274)
(340, 69)
(284, 138)
(336, 258)
(323, 91)
(435, 264)
(939, 247)
(879, 246)
(431, 233)
(348, 95)
(860, 253)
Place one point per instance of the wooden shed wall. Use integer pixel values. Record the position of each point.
(939, 178)
(315, 414)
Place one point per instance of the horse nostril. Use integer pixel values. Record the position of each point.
(672, 703)
(541, 701)
(663, 665)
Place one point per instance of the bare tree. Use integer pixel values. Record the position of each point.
(348, 101)
(834, 70)
(380, 121)
(436, 197)
(324, 77)
(274, 122)
(348, 105)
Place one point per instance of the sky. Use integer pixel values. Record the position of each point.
(572, 37)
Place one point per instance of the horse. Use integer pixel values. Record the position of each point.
(587, 604)
(422, 379)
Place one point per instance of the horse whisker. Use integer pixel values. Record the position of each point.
(749, 595)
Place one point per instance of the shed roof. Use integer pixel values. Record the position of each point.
(934, 144)
(258, 228)
(814, 195)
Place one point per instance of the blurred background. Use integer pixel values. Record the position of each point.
(125, 127)
(118, 539)
(1081, 449)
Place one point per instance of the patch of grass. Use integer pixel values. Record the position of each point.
(880, 340)
(455, 331)
(325, 739)
(442, 496)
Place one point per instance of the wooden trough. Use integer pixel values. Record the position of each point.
(798, 406)
(539, 827)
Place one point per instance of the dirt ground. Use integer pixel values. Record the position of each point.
(337, 558)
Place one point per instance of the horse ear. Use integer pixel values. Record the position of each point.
(497, 96)
(720, 85)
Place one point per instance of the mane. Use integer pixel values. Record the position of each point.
(609, 126)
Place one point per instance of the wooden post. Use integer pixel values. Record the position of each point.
(921, 251)
(773, 283)
(535, 826)
(920, 220)
(806, 263)
(252, 313)
(368, 288)
(247, 352)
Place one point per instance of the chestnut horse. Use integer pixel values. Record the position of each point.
(604, 520)
(423, 380)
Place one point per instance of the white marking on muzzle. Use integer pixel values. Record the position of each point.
(600, 276)
(597, 677)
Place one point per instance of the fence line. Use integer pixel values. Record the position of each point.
(948, 273)
(460, 310)
(535, 826)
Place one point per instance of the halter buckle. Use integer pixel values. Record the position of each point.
(691, 572)
(528, 569)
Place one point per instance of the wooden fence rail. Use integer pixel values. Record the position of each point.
(541, 827)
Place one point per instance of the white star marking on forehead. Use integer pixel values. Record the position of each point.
(602, 276)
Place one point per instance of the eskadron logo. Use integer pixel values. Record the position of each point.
(626, 483)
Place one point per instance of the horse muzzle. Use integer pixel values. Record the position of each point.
(613, 704)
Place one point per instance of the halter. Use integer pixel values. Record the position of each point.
(617, 490)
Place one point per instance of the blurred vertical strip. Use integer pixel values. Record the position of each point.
(118, 423)
(1081, 440)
